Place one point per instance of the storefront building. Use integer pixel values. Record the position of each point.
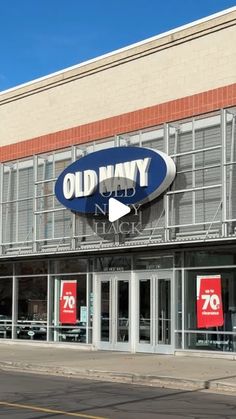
(170, 288)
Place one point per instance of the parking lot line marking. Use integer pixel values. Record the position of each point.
(46, 410)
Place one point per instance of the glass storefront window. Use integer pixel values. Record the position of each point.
(211, 341)
(215, 257)
(70, 265)
(6, 269)
(32, 308)
(73, 304)
(153, 261)
(228, 284)
(113, 263)
(212, 337)
(178, 340)
(178, 279)
(178, 259)
(33, 267)
(5, 307)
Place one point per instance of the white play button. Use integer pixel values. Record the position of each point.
(116, 210)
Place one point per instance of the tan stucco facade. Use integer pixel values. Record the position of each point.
(189, 61)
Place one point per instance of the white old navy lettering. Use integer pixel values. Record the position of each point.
(111, 178)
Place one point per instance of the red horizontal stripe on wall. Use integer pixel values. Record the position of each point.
(154, 115)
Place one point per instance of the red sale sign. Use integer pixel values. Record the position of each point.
(209, 301)
(68, 298)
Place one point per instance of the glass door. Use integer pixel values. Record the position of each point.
(122, 323)
(164, 324)
(144, 330)
(113, 311)
(154, 332)
(105, 311)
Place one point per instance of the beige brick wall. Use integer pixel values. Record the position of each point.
(175, 69)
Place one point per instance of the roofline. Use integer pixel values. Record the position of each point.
(123, 49)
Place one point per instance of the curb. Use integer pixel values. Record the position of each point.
(127, 378)
(222, 387)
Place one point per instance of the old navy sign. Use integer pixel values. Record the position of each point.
(134, 175)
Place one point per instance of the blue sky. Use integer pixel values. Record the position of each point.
(38, 37)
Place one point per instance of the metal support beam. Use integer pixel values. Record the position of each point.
(223, 174)
(14, 304)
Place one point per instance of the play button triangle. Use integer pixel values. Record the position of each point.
(116, 210)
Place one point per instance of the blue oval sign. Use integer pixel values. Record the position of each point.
(134, 175)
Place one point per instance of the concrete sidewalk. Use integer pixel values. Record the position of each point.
(181, 372)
